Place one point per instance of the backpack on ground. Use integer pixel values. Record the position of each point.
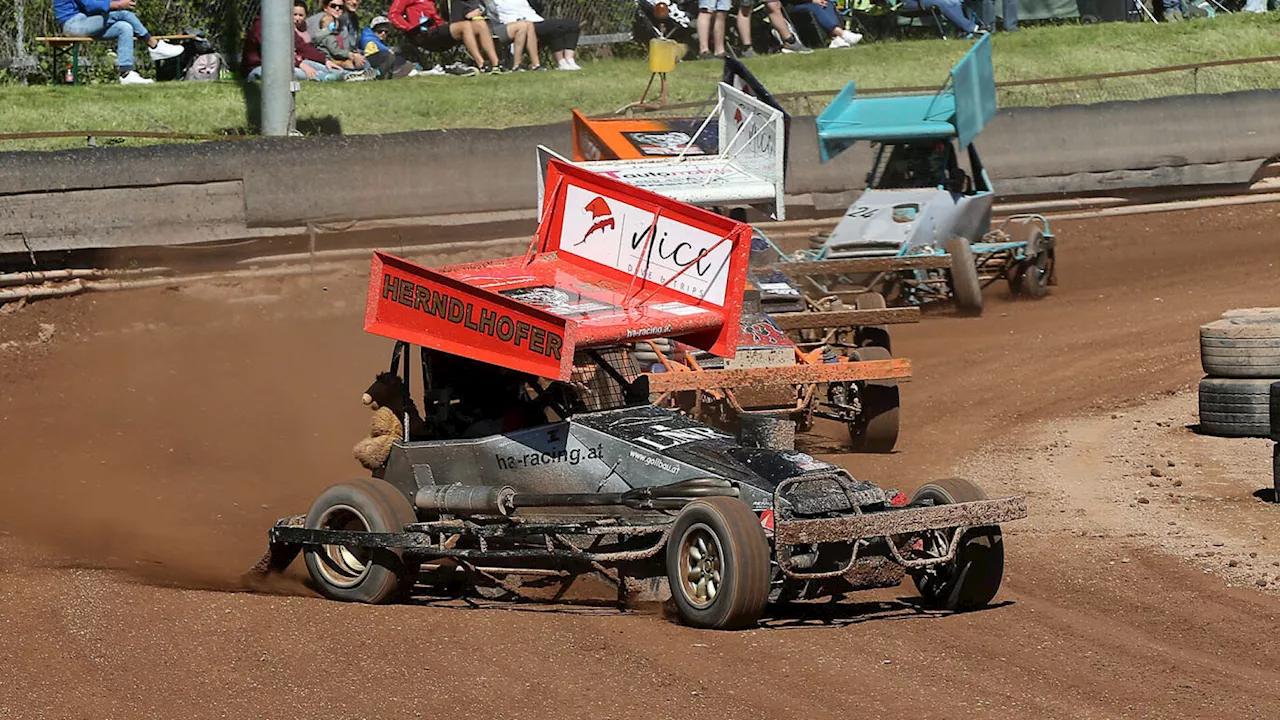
(205, 67)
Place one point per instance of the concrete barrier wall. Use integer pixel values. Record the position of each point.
(243, 185)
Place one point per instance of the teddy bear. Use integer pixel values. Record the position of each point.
(386, 398)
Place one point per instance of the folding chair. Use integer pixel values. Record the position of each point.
(924, 13)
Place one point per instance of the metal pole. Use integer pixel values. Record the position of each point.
(20, 10)
(277, 67)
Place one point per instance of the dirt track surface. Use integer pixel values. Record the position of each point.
(152, 437)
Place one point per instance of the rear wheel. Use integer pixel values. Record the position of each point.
(973, 577)
(876, 428)
(352, 574)
(718, 564)
(965, 286)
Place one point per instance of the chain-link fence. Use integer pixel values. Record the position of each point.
(224, 22)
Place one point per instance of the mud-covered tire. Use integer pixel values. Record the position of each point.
(973, 578)
(1242, 346)
(966, 289)
(1035, 272)
(718, 538)
(1235, 407)
(360, 575)
(869, 335)
(1256, 314)
(876, 431)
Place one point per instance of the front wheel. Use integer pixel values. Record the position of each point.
(718, 564)
(966, 289)
(353, 574)
(973, 577)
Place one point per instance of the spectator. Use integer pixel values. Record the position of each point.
(309, 63)
(373, 41)
(305, 54)
(712, 15)
(951, 10)
(327, 34)
(987, 14)
(349, 24)
(790, 43)
(104, 19)
(559, 34)
(824, 13)
(522, 32)
(424, 28)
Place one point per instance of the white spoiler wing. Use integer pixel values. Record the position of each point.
(748, 169)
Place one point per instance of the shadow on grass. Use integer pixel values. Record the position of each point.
(252, 92)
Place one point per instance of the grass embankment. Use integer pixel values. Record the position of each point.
(605, 85)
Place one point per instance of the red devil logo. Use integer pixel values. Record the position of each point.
(602, 216)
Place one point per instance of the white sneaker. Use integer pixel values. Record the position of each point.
(164, 51)
(133, 78)
(838, 42)
(568, 65)
(852, 38)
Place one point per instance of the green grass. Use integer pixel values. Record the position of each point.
(607, 84)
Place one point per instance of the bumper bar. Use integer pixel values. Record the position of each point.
(894, 522)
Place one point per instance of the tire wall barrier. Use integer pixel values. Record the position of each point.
(174, 194)
(1240, 354)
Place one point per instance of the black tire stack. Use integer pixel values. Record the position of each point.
(1240, 354)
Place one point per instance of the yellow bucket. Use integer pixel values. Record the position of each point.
(662, 55)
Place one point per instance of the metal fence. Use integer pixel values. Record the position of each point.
(224, 22)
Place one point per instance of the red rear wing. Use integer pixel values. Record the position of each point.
(611, 264)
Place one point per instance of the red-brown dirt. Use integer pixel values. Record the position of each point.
(151, 440)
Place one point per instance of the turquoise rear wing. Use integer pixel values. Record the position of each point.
(961, 109)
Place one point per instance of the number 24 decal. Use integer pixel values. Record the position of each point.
(862, 211)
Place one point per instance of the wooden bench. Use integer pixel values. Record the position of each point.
(61, 44)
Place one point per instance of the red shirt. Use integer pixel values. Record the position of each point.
(409, 14)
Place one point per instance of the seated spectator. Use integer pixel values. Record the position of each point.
(305, 54)
(373, 43)
(424, 28)
(790, 43)
(327, 34)
(559, 34)
(347, 22)
(824, 13)
(519, 35)
(309, 63)
(112, 19)
(951, 10)
(987, 14)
